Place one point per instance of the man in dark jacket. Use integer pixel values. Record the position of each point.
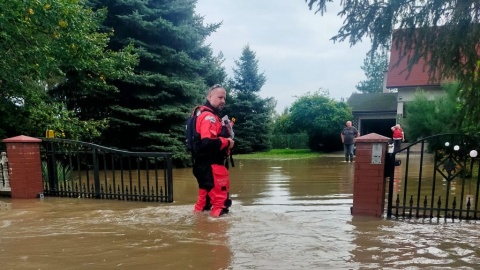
(348, 135)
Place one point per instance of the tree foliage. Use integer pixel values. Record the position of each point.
(321, 117)
(253, 114)
(445, 33)
(42, 44)
(175, 69)
(246, 76)
(283, 124)
(374, 66)
(428, 117)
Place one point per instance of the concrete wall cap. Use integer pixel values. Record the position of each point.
(22, 139)
(372, 137)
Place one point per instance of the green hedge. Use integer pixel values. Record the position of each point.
(290, 141)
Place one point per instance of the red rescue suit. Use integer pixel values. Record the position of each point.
(209, 165)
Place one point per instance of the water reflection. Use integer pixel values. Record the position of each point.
(406, 245)
(286, 214)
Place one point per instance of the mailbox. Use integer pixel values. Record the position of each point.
(376, 153)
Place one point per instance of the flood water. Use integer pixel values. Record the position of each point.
(286, 214)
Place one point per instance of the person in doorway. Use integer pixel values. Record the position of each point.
(398, 137)
(348, 135)
(211, 155)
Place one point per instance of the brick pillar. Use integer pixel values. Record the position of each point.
(25, 168)
(369, 180)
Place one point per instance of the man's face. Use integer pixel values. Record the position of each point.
(349, 124)
(217, 97)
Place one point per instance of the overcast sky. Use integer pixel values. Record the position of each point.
(292, 45)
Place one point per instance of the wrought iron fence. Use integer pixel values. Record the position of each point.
(79, 169)
(438, 180)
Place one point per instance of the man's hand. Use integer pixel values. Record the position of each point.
(231, 143)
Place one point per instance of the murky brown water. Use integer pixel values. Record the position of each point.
(287, 214)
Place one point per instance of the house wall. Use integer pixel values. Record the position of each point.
(406, 94)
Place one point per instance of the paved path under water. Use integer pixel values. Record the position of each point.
(287, 214)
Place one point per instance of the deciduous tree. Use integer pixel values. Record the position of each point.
(321, 117)
(45, 45)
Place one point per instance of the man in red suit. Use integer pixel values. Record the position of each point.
(211, 154)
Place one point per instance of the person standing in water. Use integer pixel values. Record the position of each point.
(211, 154)
(348, 135)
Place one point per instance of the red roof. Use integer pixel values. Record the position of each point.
(399, 76)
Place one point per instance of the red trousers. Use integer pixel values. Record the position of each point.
(218, 196)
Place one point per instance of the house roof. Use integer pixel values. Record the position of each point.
(374, 102)
(398, 74)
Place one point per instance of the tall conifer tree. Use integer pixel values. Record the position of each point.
(175, 70)
(253, 114)
(374, 65)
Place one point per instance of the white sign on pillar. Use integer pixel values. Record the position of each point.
(4, 177)
(377, 153)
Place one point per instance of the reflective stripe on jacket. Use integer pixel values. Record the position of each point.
(212, 146)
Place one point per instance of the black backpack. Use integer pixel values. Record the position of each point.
(192, 137)
(191, 134)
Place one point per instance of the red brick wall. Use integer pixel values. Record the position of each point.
(25, 170)
(369, 184)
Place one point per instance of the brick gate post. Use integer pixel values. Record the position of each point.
(25, 169)
(369, 180)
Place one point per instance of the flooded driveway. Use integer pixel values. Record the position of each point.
(286, 214)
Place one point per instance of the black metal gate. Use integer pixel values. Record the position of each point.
(79, 169)
(438, 178)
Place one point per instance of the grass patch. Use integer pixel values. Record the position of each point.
(280, 154)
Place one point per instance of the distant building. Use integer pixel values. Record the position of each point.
(374, 113)
(406, 82)
(380, 111)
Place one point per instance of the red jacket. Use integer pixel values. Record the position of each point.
(397, 134)
(214, 144)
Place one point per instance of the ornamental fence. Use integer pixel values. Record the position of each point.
(437, 177)
(85, 170)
